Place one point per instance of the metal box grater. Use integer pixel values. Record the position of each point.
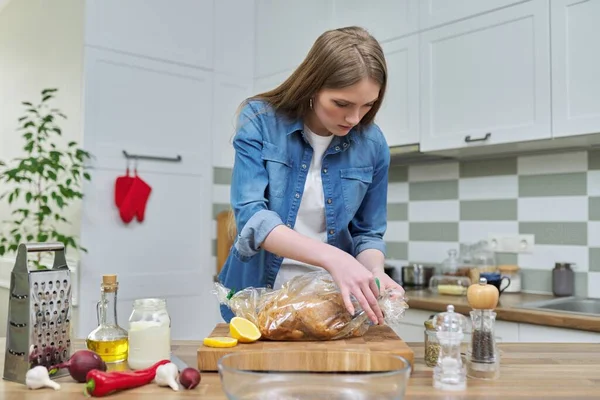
(38, 330)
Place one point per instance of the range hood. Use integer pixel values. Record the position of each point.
(411, 154)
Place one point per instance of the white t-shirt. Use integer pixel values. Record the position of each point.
(311, 214)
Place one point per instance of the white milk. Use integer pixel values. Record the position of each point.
(149, 342)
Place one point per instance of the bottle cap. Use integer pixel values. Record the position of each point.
(109, 283)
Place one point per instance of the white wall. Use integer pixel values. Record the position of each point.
(41, 46)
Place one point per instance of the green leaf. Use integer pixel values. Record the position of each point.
(26, 103)
(46, 98)
(47, 91)
(60, 201)
(28, 197)
(42, 237)
(2, 250)
(57, 130)
(87, 176)
(71, 144)
(51, 175)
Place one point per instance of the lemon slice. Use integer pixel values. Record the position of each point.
(243, 330)
(220, 341)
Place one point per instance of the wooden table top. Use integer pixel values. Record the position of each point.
(528, 371)
(507, 310)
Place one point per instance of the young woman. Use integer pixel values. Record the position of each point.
(310, 177)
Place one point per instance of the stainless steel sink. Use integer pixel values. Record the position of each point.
(574, 305)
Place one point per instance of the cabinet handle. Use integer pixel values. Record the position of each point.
(468, 138)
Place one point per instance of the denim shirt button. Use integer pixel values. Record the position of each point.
(329, 201)
(303, 166)
(288, 225)
(269, 286)
(324, 170)
(331, 231)
(345, 145)
(337, 148)
(297, 195)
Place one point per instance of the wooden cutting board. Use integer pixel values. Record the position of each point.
(377, 339)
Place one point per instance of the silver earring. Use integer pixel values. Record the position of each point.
(310, 103)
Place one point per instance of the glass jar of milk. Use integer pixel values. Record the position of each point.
(149, 333)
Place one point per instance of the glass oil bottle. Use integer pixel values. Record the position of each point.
(108, 340)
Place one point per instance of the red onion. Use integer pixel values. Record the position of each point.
(189, 378)
(80, 363)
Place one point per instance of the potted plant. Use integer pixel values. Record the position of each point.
(43, 183)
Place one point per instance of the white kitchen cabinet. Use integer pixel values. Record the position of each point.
(537, 333)
(398, 117)
(438, 12)
(179, 32)
(575, 66)
(384, 19)
(286, 30)
(486, 80)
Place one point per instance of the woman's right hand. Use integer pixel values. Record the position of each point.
(354, 279)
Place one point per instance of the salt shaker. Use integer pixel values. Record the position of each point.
(450, 373)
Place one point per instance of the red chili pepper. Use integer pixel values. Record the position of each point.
(100, 383)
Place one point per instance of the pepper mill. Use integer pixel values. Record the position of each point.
(483, 361)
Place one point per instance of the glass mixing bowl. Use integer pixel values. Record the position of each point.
(313, 374)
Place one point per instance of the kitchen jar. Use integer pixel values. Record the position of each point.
(449, 285)
(149, 333)
(514, 274)
(563, 279)
(432, 344)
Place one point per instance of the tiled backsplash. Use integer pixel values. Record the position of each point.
(433, 208)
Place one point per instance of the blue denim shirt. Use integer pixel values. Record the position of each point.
(271, 164)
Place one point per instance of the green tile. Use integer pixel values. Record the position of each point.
(397, 211)
(594, 159)
(396, 250)
(541, 281)
(436, 190)
(507, 259)
(556, 233)
(478, 168)
(571, 184)
(398, 173)
(433, 231)
(219, 207)
(594, 259)
(594, 208)
(581, 284)
(222, 176)
(214, 248)
(488, 210)
(536, 280)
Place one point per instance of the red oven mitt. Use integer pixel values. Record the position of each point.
(134, 202)
(122, 187)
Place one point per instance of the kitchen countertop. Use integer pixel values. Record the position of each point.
(507, 309)
(528, 370)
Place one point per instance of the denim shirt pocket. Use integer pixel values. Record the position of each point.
(355, 183)
(279, 168)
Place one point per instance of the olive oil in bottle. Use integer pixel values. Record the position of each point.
(108, 340)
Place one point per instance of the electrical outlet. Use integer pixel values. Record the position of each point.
(503, 243)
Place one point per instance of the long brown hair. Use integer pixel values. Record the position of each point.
(339, 58)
